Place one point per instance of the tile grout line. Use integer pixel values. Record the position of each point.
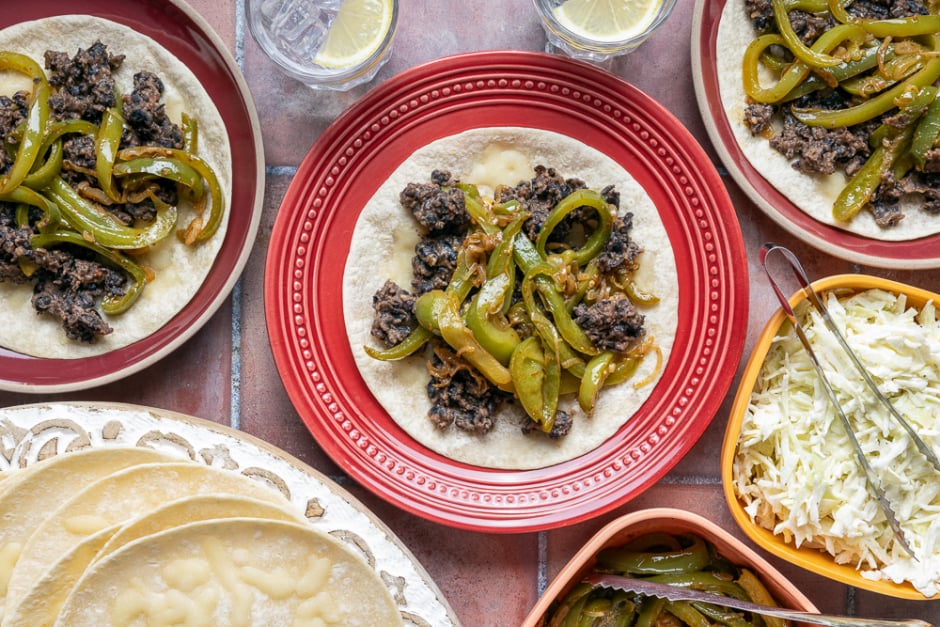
(235, 397)
(541, 581)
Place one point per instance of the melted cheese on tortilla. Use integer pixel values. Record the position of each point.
(499, 164)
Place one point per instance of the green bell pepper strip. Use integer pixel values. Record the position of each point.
(758, 593)
(926, 133)
(687, 613)
(107, 141)
(801, 51)
(796, 73)
(570, 608)
(912, 26)
(111, 305)
(28, 150)
(429, 304)
(171, 169)
(42, 176)
(190, 127)
(461, 339)
(408, 346)
(624, 368)
(200, 228)
(893, 71)
(595, 374)
(540, 277)
(717, 615)
(85, 218)
(24, 195)
(837, 10)
(486, 314)
(501, 257)
(485, 319)
(873, 107)
(596, 241)
(536, 380)
(58, 129)
(862, 186)
(702, 580)
(636, 561)
(650, 609)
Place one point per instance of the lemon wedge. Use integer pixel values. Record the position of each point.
(356, 33)
(607, 20)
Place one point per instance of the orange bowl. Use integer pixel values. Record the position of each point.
(809, 558)
(668, 520)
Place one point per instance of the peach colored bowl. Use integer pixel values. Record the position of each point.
(643, 522)
(805, 557)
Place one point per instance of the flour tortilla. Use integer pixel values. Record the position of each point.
(43, 602)
(241, 571)
(112, 501)
(814, 194)
(383, 244)
(179, 270)
(29, 495)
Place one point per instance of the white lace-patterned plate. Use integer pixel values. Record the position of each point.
(30, 433)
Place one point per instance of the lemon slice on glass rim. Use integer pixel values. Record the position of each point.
(607, 21)
(356, 33)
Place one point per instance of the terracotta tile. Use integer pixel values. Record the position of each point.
(266, 410)
(875, 605)
(488, 579)
(202, 381)
(220, 16)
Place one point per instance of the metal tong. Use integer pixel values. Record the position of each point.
(820, 307)
(677, 593)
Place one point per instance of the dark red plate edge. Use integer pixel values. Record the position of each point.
(735, 345)
(62, 375)
(904, 255)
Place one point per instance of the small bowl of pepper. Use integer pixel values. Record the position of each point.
(668, 546)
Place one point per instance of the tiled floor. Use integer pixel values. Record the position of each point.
(490, 580)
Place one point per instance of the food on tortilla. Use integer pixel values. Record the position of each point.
(542, 289)
(221, 548)
(837, 108)
(112, 197)
(795, 470)
(240, 571)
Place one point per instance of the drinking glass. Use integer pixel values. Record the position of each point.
(291, 32)
(581, 46)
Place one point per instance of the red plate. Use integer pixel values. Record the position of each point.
(310, 242)
(182, 31)
(908, 255)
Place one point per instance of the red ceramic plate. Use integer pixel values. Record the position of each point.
(310, 241)
(914, 254)
(182, 31)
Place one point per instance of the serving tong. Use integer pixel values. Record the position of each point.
(820, 307)
(677, 593)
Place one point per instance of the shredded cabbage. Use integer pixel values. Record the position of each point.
(795, 469)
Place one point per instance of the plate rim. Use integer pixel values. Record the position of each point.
(9, 383)
(716, 125)
(154, 415)
(419, 501)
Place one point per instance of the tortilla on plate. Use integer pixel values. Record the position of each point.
(383, 244)
(813, 194)
(179, 270)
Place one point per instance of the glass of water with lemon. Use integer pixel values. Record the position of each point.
(326, 44)
(597, 30)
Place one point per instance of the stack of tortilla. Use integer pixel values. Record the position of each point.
(132, 536)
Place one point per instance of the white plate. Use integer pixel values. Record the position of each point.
(30, 433)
